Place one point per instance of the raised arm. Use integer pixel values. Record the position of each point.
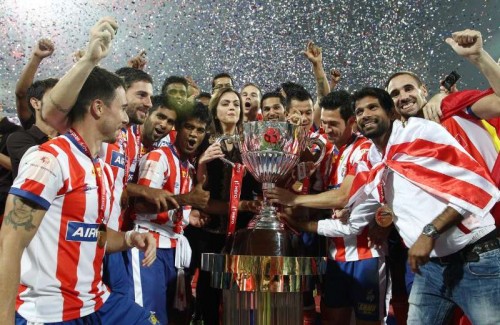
(44, 48)
(59, 101)
(315, 56)
(469, 44)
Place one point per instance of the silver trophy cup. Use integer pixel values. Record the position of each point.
(263, 277)
(269, 150)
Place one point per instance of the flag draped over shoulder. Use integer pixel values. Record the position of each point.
(455, 104)
(428, 156)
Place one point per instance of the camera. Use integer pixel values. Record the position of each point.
(450, 80)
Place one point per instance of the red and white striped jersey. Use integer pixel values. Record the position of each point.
(353, 247)
(166, 140)
(115, 155)
(122, 156)
(470, 132)
(325, 166)
(61, 269)
(162, 168)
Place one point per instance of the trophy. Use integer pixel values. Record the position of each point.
(263, 276)
(269, 151)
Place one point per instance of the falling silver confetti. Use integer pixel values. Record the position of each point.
(254, 40)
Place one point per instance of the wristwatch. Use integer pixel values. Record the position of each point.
(430, 231)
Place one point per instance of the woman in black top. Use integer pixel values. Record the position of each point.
(227, 117)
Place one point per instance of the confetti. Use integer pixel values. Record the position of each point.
(254, 40)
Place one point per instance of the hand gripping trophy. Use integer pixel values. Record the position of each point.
(263, 269)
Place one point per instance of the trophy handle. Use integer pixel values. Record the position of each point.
(321, 146)
(223, 137)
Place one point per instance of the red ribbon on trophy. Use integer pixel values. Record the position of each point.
(235, 192)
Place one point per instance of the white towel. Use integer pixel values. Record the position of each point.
(182, 260)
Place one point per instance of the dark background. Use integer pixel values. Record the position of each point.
(257, 41)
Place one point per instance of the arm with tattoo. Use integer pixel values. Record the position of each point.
(21, 221)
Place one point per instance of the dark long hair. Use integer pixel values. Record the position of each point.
(212, 106)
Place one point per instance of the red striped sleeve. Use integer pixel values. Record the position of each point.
(149, 170)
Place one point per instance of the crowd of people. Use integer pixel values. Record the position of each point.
(110, 194)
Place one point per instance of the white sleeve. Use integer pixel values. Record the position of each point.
(39, 179)
(361, 215)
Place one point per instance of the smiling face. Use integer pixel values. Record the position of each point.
(159, 123)
(335, 127)
(372, 119)
(139, 101)
(273, 110)
(408, 96)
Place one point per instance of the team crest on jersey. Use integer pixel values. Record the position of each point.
(118, 159)
(82, 232)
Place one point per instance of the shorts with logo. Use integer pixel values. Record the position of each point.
(153, 287)
(118, 309)
(357, 284)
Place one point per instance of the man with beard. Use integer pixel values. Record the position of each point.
(158, 125)
(169, 168)
(355, 279)
(422, 178)
(123, 155)
(409, 96)
(273, 107)
(64, 188)
(250, 95)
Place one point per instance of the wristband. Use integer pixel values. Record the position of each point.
(128, 239)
